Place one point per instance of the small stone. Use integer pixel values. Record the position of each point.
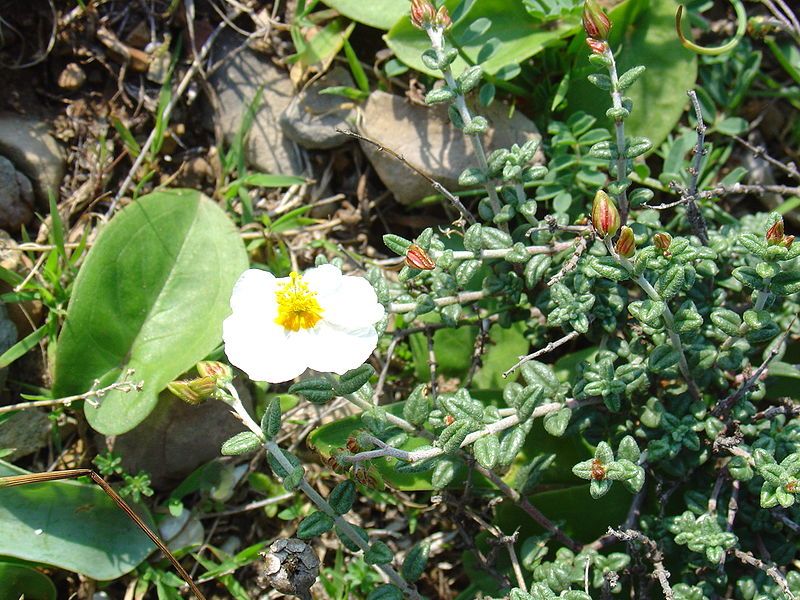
(24, 433)
(28, 144)
(312, 118)
(16, 197)
(427, 140)
(72, 77)
(237, 83)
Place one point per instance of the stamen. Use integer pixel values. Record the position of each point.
(297, 305)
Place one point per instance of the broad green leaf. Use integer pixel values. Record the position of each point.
(645, 32)
(20, 581)
(580, 516)
(151, 296)
(516, 33)
(70, 525)
(380, 14)
(453, 349)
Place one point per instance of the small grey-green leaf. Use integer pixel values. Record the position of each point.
(241, 443)
(314, 525)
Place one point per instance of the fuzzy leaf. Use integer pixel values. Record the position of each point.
(353, 380)
(317, 390)
(314, 525)
(555, 423)
(241, 443)
(415, 562)
(487, 451)
(342, 497)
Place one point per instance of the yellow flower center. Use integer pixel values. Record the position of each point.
(297, 305)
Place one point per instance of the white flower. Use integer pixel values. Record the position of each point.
(320, 320)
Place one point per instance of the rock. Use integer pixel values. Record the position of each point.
(237, 82)
(72, 77)
(425, 137)
(311, 119)
(16, 197)
(177, 438)
(24, 432)
(34, 152)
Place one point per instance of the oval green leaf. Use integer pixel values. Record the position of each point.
(19, 581)
(151, 296)
(70, 525)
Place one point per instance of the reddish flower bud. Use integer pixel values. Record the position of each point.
(605, 216)
(597, 46)
(422, 14)
(626, 245)
(787, 241)
(662, 241)
(775, 233)
(194, 391)
(598, 470)
(595, 21)
(442, 18)
(219, 371)
(417, 258)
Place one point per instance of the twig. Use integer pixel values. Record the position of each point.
(466, 216)
(479, 347)
(696, 219)
(505, 489)
(431, 362)
(723, 408)
(654, 554)
(250, 506)
(523, 503)
(666, 314)
(385, 450)
(619, 130)
(548, 348)
(461, 298)
(436, 37)
(772, 571)
(122, 386)
(570, 264)
(757, 189)
(759, 151)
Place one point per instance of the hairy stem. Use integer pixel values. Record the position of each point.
(343, 526)
(436, 36)
(619, 133)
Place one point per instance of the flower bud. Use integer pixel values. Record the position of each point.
(626, 244)
(605, 216)
(218, 371)
(194, 391)
(597, 46)
(417, 258)
(423, 14)
(662, 241)
(442, 18)
(595, 21)
(775, 233)
(787, 241)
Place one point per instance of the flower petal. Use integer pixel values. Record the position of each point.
(335, 350)
(353, 306)
(263, 350)
(324, 279)
(254, 295)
